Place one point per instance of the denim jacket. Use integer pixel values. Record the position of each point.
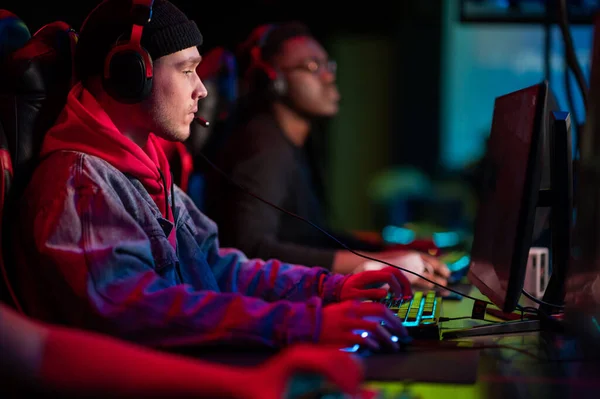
(94, 254)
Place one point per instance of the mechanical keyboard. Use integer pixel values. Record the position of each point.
(419, 315)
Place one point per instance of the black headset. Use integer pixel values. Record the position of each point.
(127, 75)
(262, 73)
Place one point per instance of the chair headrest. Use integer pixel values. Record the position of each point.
(13, 33)
(34, 82)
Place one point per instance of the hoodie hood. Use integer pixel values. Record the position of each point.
(84, 126)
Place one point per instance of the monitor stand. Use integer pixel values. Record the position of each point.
(509, 327)
(560, 200)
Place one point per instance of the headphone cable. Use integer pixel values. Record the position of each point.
(247, 192)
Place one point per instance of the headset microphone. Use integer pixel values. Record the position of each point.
(203, 122)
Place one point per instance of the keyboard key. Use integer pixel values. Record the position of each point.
(412, 316)
(403, 310)
(415, 311)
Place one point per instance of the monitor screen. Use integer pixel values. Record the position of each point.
(527, 11)
(508, 200)
(483, 61)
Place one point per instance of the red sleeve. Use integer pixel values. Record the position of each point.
(80, 363)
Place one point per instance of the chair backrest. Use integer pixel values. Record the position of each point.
(34, 82)
(13, 33)
(7, 294)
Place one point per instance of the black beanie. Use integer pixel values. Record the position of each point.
(168, 31)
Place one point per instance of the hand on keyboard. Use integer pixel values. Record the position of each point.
(360, 285)
(359, 323)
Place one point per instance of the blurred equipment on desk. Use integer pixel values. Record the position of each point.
(402, 196)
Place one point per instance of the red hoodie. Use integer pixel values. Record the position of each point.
(177, 152)
(103, 140)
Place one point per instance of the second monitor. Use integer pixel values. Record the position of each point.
(530, 138)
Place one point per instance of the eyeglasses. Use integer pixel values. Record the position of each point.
(316, 67)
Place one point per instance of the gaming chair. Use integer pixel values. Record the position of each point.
(13, 33)
(34, 82)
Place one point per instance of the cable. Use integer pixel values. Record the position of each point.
(540, 302)
(548, 44)
(415, 343)
(569, 96)
(563, 23)
(236, 185)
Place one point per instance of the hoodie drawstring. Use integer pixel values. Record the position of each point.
(173, 196)
(164, 184)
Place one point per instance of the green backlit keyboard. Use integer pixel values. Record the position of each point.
(419, 315)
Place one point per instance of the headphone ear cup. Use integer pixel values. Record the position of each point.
(126, 78)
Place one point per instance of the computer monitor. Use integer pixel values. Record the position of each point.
(513, 190)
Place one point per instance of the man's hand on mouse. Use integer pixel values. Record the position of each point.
(350, 323)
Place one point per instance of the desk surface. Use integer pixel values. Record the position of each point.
(506, 372)
(516, 367)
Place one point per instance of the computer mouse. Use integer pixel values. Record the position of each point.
(402, 341)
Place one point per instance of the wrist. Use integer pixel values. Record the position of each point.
(302, 323)
(331, 288)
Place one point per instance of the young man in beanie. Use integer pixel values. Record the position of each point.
(289, 82)
(109, 243)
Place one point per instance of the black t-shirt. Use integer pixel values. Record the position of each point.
(261, 159)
